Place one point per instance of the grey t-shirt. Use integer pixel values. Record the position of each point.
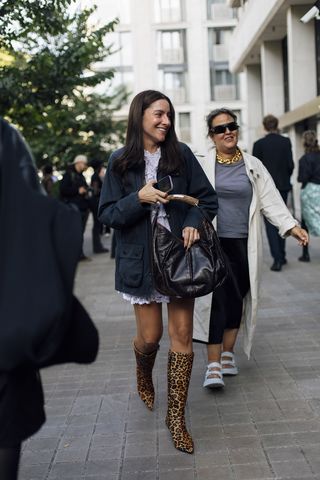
(234, 192)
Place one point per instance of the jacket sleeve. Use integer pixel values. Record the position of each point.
(199, 187)
(116, 209)
(304, 172)
(271, 203)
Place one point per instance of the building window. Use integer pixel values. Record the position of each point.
(121, 60)
(218, 9)
(219, 41)
(184, 127)
(171, 47)
(173, 84)
(111, 10)
(223, 83)
(168, 11)
(122, 47)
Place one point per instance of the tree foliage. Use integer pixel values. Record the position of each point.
(48, 88)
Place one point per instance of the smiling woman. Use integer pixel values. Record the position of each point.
(245, 191)
(128, 203)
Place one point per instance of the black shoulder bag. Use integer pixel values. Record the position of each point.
(187, 273)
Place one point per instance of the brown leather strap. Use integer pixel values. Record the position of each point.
(184, 198)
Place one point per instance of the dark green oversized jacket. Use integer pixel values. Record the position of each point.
(121, 209)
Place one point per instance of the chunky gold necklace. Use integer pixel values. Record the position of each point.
(228, 161)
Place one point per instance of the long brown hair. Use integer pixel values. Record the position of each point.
(310, 141)
(132, 157)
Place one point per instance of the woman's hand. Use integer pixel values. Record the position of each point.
(300, 234)
(148, 194)
(190, 236)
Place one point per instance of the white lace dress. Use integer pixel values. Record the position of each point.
(152, 162)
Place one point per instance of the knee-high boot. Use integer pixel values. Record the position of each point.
(179, 372)
(145, 363)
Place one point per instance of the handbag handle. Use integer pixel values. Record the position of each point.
(194, 202)
(184, 198)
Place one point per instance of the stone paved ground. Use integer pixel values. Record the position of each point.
(264, 425)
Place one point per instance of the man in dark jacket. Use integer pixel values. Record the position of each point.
(74, 189)
(275, 153)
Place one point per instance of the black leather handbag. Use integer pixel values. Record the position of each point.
(187, 273)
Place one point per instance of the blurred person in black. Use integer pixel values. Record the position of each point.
(74, 189)
(47, 180)
(309, 176)
(275, 153)
(41, 322)
(96, 185)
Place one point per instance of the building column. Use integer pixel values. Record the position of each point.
(254, 98)
(301, 58)
(272, 78)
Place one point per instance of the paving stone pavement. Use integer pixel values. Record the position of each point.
(264, 425)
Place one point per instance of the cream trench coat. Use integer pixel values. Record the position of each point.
(266, 200)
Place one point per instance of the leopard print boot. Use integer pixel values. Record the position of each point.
(179, 372)
(145, 362)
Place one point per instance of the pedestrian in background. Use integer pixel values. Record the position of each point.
(275, 153)
(245, 192)
(309, 176)
(74, 189)
(127, 204)
(47, 179)
(96, 185)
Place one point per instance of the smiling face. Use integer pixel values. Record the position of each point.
(156, 122)
(225, 142)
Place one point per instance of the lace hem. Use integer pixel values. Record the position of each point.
(154, 297)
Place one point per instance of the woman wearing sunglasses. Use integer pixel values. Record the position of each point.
(245, 192)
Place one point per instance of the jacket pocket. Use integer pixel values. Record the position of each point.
(131, 264)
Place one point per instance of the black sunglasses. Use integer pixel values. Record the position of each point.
(223, 128)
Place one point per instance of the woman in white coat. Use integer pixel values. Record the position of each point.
(245, 191)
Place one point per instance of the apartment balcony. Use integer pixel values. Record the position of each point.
(172, 56)
(219, 11)
(225, 92)
(220, 53)
(170, 15)
(177, 95)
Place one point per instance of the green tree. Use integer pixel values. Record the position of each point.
(48, 89)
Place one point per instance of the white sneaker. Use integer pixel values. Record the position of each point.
(228, 364)
(216, 381)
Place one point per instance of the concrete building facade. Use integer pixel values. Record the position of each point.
(280, 56)
(180, 47)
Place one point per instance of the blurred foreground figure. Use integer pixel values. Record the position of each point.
(41, 322)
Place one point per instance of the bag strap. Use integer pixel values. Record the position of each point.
(184, 198)
(194, 202)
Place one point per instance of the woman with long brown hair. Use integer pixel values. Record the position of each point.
(127, 204)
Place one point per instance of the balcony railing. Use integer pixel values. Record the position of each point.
(177, 95)
(225, 92)
(220, 53)
(170, 15)
(220, 11)
(172, 56)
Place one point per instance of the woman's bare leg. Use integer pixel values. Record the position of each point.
(180, 324)
(149, 326)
